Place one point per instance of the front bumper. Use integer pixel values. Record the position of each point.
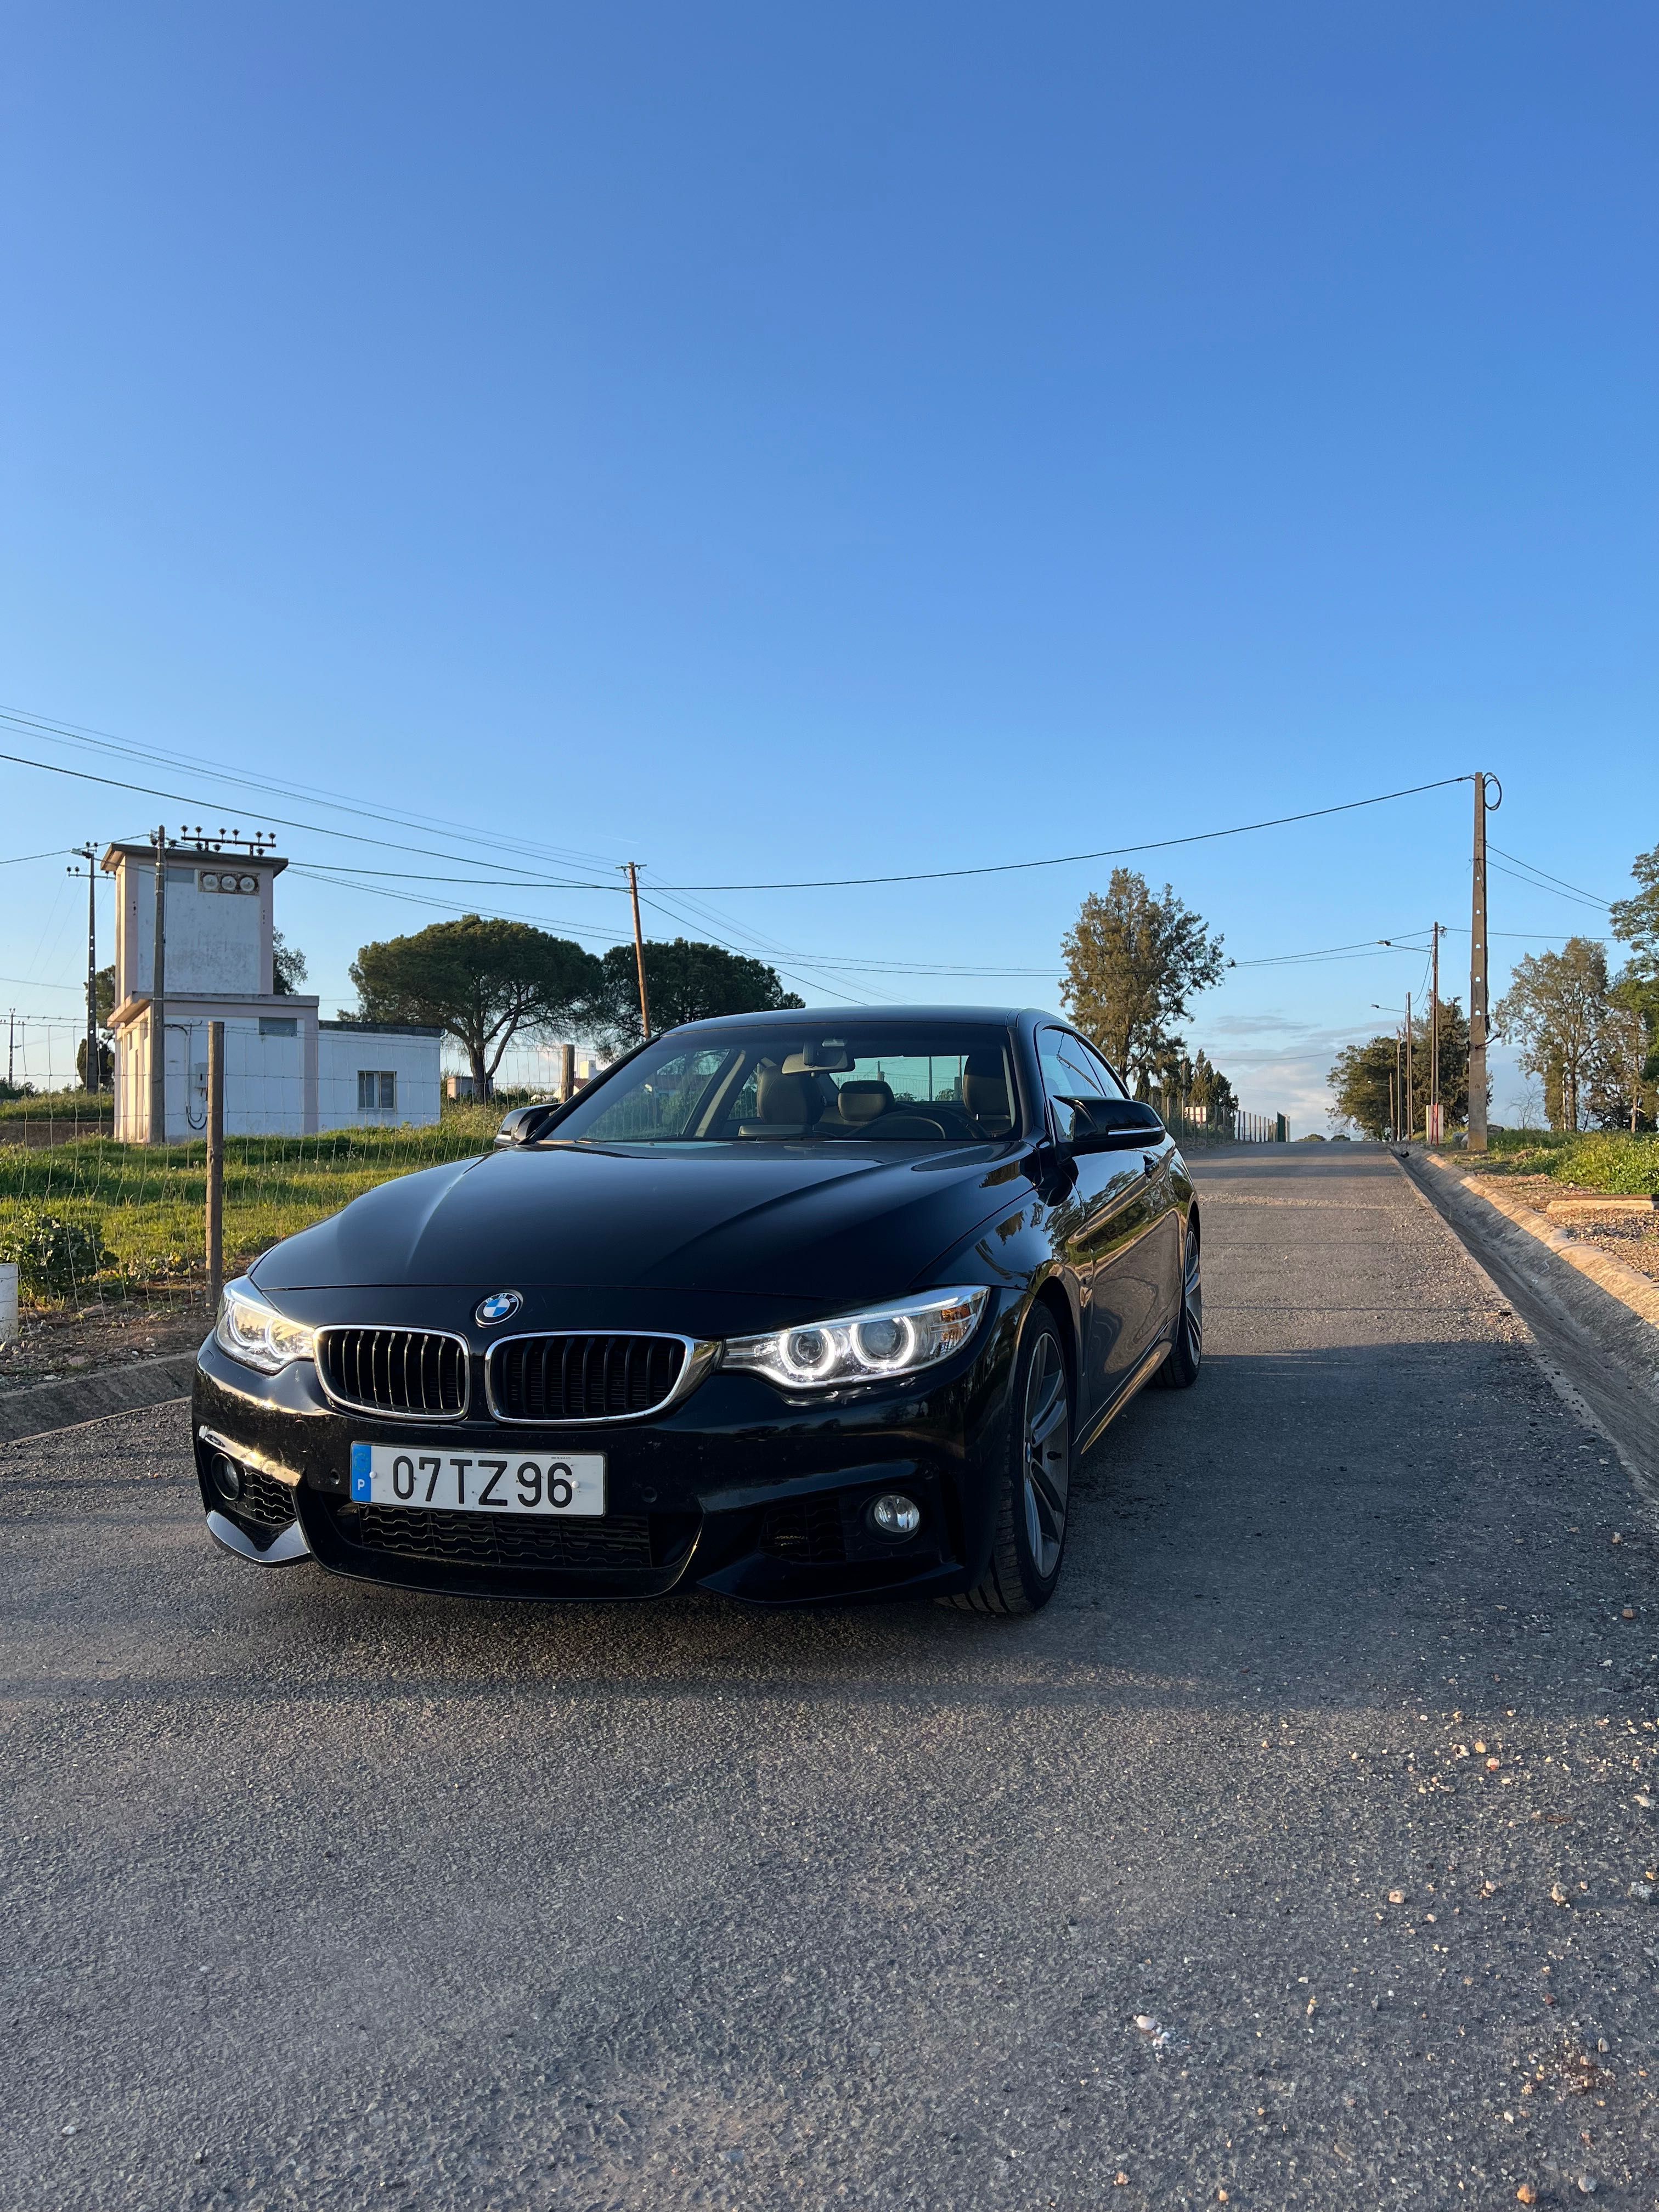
(738, 1489)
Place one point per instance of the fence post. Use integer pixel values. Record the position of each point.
(215, 1164)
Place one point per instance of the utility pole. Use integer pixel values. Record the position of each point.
(1477, 1136)
(639, 949)
(215, 1164)
(158, 1011)
(1411, 1089)
(11, 1050)
(1436, 1132)
(89, 1081)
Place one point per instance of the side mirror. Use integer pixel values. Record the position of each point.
(1112, 1125)
(524, 1124)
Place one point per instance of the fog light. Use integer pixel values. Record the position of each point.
(227, 1478)
(893, 1515)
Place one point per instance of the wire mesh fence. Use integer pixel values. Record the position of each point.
(1194, 1121)
(93, 1219)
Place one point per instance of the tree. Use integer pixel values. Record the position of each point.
(1556, 1010)
(105, 1067)
(1624, 1085)
(1133, 963)
(1636, 920)
(288, 966)
(483, 982)
(1634, 1038)
(1365, 1077)
(685, 982)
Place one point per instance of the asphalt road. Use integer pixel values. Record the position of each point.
(317, 1896)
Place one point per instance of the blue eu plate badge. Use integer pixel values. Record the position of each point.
(361, 1462)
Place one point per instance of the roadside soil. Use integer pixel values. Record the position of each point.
(1633, 1240)
(57, 1342)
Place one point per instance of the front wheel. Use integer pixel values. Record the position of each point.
(1180, 1370)
(1035, 1491)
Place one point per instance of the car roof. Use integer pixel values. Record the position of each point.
(1005, 1017)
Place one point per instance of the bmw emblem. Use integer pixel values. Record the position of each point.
(500, 1305)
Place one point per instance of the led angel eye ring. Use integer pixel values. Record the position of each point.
(812, 1367)
(898, 1356)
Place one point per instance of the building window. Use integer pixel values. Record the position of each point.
(275, 1025)
(377, 1089)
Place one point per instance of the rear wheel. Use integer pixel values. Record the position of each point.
(1180, 1370)
(1035, 1493)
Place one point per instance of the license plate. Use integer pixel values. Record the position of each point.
(479, 1482)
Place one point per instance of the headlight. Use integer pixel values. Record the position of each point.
(865, 1346)
(251, 1330)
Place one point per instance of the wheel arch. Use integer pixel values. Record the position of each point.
(1052, 1298)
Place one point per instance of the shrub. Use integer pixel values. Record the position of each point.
(1606, 1162)
(55, 1258)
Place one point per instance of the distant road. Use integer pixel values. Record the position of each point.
(322, 1896)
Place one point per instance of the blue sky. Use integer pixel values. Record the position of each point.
(783, 443)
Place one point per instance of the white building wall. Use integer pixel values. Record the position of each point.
(218, 942)
(265, 1077)
(344, 1051)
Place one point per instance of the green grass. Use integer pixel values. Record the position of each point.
(59, 1106)
(149, 1206)
(1595, 1160)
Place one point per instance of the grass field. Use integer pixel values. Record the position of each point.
(148, 1206)
(1604, 1160)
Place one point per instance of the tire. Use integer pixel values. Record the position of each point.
(1180, 1370)
(1033, 1493)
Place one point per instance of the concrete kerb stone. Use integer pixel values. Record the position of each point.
(78, 1399)
(1628, 1285)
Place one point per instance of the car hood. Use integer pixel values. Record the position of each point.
(776, 1220)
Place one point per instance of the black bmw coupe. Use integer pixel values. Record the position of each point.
(793, 1306)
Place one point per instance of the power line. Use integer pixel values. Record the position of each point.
(316, 829)
(1067, 860)
(1560, 881)
(1578, 898)
(62, 732)
(1362, 948)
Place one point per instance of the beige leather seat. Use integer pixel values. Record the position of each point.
(787, 1105)
(985, 1093)
(862, 1101)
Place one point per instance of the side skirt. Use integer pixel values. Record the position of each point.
(1142, 1375)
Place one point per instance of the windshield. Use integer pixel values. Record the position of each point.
(868, 1082)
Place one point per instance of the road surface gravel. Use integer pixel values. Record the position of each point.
(1286, 1860)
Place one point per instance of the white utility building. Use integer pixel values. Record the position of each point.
(286, 1073)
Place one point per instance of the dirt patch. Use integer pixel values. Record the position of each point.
(1633, 1240)
(56, 1345)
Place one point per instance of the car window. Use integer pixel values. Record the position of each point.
(1113, 1089)
(1072, 1069)
(908, 1082)
(663, 1103)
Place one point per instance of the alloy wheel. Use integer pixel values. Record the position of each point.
(1048, 1454)
(1192, 1299)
